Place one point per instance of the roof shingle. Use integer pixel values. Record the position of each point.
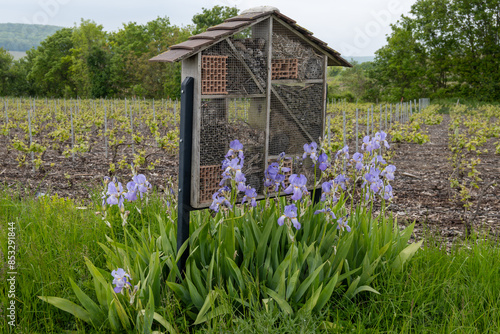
(230, 26)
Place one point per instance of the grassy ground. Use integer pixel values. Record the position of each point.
(437, 293)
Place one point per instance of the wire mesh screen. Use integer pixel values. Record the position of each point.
(222, 121)
(235, 103)
(245, 65)
(235, 69)
(296, 118)
(289, 49)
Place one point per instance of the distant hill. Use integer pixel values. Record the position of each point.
(22, 37)
(361, 59)
(17, 54)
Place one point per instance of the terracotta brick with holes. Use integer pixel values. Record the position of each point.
(213, 75)
(210, 177)
(284, 69)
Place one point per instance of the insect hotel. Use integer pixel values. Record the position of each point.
(260, 78)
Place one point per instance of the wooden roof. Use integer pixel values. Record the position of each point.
(234, 25)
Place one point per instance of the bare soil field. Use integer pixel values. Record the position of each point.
(421, 188)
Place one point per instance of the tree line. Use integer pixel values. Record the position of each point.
(86, 61)
(441, 49)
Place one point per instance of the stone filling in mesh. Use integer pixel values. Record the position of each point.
(286, 45)
(213, 132)
(247, 51)
(213, 75)
(289, 134)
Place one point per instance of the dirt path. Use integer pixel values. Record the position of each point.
(422, 188)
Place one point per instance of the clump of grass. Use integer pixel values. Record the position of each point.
(438, 293)
(53, 235)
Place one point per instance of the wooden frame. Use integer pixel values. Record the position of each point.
(192, 67)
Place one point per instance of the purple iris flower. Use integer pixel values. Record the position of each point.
(120, 279)
(323, 161)
(272, 170)
(297, 186)
(279, 181)
(106, 180)
(377, 185)
(311, 151)
(131, 194)
(290, 213)
(368, 144)
(357, 158)
(326, 211)
(342, 224)
(380, 138)
(241, 186)
(232, 170)
(341, 180)
(250, 196)
(230, 166)
(115, 194)
(273, 178)
(141, 183)
(329, 189)
(373, 179)
(344, 151)
(378, 159)
(218, 199)
(388, 172)
(240, 179)
(236, 150)
(386, 192)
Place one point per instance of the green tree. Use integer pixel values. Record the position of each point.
(5, 71)
(212, 17)
(99, 71)
(21, 84)
(357, 81)
(399, 66)
(443, 48)
(87, 38)
(434, 30)
(50, 64)
(477, 32)
(132, 47)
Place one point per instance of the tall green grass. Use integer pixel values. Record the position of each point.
(437, 292)
(52, 236)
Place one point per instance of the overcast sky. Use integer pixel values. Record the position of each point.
(354, 28)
